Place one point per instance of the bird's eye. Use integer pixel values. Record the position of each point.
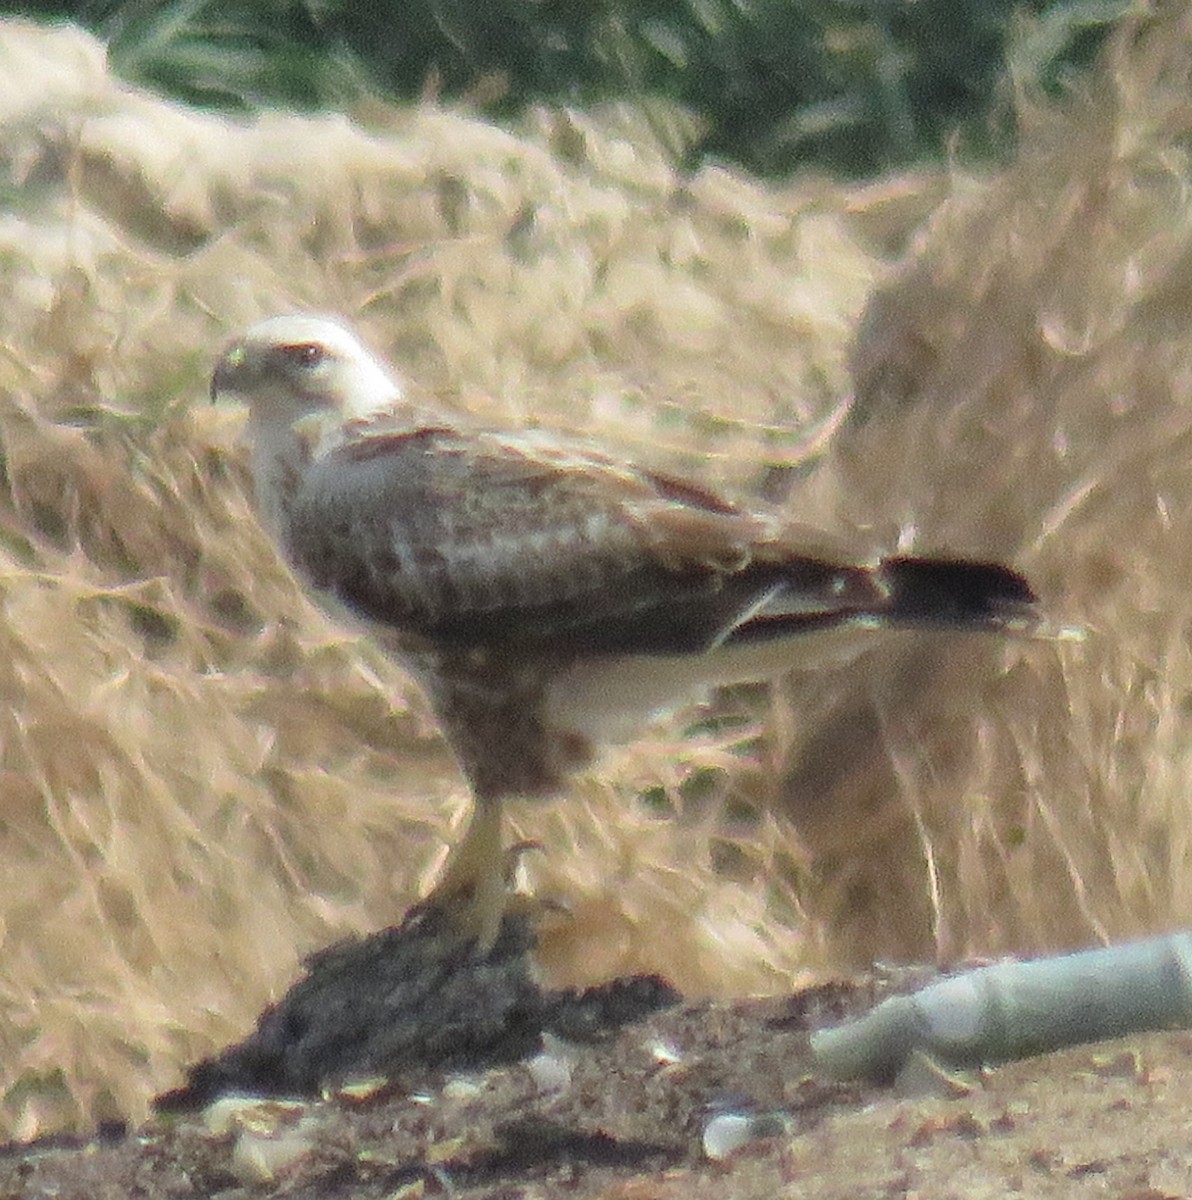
(305, 354)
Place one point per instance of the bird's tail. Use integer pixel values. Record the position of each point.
(807, 595)
(955, 593)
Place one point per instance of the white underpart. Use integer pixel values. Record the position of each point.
(608, 700)
(276, 453)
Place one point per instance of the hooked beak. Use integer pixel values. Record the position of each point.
(227, 370)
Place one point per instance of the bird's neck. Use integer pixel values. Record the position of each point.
(280, 454)
(283, 449)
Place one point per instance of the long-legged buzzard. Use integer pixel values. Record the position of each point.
(549, 598)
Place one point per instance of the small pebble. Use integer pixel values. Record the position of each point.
(257, 1158)
(251, 1112)
(462, 1087)
(725, 1134)
(551, 1068)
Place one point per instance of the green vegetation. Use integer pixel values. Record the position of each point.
(854, 86)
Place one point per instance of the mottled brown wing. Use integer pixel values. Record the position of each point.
(479, 540)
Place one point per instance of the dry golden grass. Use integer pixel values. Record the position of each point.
(1023, 390)
(201, 779)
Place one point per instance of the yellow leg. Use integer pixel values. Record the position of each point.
(471, 891)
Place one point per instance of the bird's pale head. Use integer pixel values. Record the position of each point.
(291, 367)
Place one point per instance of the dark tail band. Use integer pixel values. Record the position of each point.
(956, 592)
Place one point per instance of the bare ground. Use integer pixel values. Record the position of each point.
(404, 1064)
(1109, 1120)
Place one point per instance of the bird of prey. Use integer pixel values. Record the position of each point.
(548, 598)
